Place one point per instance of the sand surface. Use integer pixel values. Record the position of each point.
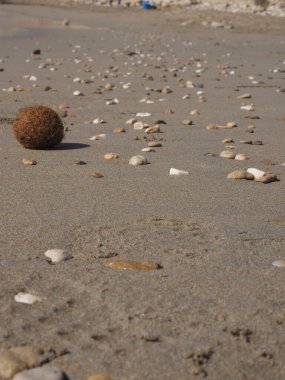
(216, 308)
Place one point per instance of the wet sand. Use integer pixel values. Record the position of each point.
(216, 308)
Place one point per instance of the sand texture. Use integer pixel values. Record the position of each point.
(207, 301)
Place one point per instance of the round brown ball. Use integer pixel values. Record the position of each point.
(38, 127)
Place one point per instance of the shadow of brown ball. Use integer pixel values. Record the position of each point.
(38, 127)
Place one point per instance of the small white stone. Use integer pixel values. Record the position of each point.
(174, 171)
(255, 172)
(112, 101)
(147, 149)
(143, 114)
(279, 263)
(33, 78)
(131, 121)
(102, 136)
(76, 80)
(248, 107)
(138, 160)
(98, 121)
(57, 255)
(77, 93)
(27, 298)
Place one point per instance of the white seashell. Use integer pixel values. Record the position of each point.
(255, 172)
(98, 121)
(279, 263)
(76, 80)
(187, 96)
(143, 114)
(33, 78)
(154, 129)
(57, 255)
(248, 107)
(112, 101)
(27, 298)
(77, 93)
(242, 157)
(174, 171)
(140, 125)
(148, 149)
(138, 160)
(102, 136)
(131, 121)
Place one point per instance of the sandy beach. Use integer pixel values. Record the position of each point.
(215, 308)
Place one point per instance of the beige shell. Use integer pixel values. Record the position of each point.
(240, 174)
(29, 161)
(227, 154)
(154, 129)
(138, 160)
(111, 156)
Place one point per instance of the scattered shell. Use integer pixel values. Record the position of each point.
(227, 154)
(247, 107)
(111, 102)
(174, 171)
(267, 178)
(98, 121)
(80, 162)
(148, 149)
(131, 121)
(111, 156)
(240, 174)
(140, 125)
(154, 129)
(255, 172)
(78, 93)
(27, 298)
(119, 130)
(17, 359)
(63, 106)
(187, 122)
(133, 265)
(154, 144)
(143, 114)
(231, 124)
(244, 96)
(43, 373)
(228, 140)
(279, 263)
(194, 113)
(57, 255)
(241, 157)
(138, 160)
(29, 161)
(168, 111)
(102, 136)
(99, 377)
(97, 175)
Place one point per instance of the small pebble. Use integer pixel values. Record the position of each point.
(99, 377)
(133, 265)
(267, 178)
(187, 122)
(138, 160)
(40, 373)
(78, 93)
(17, 359)
(148, 149)
(155, 129)
(119, 130)
(228, 140)
(57, 255)
(80, 162)
(143, 114)
(241, 157)
(27, 298)
(227, 154)
(154, 144)
(244, 96)
(102, 136)
(111, 156)
(240, 174)
(97, 175)
(29, 161)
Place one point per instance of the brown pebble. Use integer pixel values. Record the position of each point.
(17, 359)
(119, 130)
(133, 265)
(97, 175)
(29, 161)
(99, 377)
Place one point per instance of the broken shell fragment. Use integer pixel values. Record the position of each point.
(119, 130)
(57, 255)
(148, 149)
(97, 175)
(279, 263)
(27, 298)
(102, 136)
(154, 129)
(227, 154)
(138, 160)
(133, 265)
(255, 172)
(154, 144)
(228, 140)
(111, 156)
(29, 161)
(174, 171)
(143, 114)
(240, 174)
(140, 125)
(187, 122)
(267, 178)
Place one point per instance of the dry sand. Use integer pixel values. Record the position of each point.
(216, 309)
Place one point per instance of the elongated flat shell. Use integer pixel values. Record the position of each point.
(57, 255)
(138, 160)
(227, 140)
(255, 172)
(111, 156)
(29, 161)
(131, 121)
(27, 298)
(143, 114)
(40, 373)
(119, 130)
(174, 171)
(133, 265)
(147, 149)
(102, 136)
(240, 174)
(99, 377)
(279, 263)
(154, 144)
(97, 175)
(227, 154)
(244, 96)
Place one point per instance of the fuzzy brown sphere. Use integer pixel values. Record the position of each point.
(38, 127)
